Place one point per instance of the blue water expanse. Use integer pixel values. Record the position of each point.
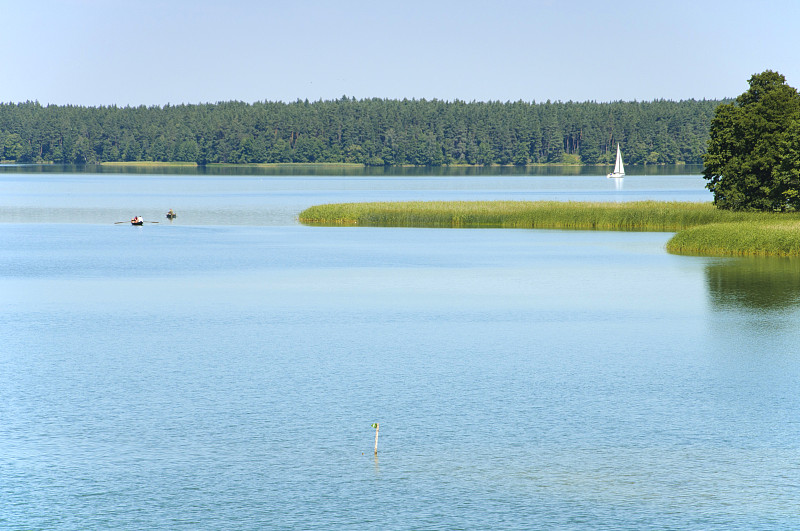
(223, 371)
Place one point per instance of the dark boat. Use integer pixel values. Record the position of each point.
(171, 214)
(137, 221)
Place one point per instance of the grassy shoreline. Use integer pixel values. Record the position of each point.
(286, 165)
(149, 164)
(702, 228)
(637, 215)
(745, 238)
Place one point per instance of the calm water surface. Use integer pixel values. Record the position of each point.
(222, 371)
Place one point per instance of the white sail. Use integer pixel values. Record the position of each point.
(619, 168)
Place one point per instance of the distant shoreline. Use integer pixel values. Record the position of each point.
(154, 164)
(373, 132)
(362, 165)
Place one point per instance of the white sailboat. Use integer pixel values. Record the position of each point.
(619, 169)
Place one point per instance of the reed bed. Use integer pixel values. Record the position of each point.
(743, 238)
(702, 228)
(148, 163)
(639, 215)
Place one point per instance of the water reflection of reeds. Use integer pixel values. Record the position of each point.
(754, 283)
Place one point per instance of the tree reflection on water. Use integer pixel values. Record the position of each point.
(754, 283)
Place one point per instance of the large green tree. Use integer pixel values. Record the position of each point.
(752, 159)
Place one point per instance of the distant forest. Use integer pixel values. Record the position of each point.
(374, 132)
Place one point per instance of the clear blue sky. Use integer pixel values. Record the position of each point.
(134, 52)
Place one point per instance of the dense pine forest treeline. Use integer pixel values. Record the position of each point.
(371, 131)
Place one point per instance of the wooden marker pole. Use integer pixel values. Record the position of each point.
(376, 426)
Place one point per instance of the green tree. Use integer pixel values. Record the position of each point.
(751, 162)
(354, 153)
(82, 152)
(187, 151)
(520, 154)
(307, 149)
(14, 148)
(788, 172)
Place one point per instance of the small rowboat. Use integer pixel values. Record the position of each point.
(137, 221)
(171, 215)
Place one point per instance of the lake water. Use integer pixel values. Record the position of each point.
(222, 371)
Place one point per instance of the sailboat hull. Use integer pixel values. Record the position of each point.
(615, 175)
